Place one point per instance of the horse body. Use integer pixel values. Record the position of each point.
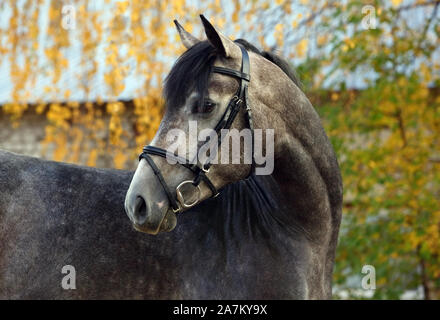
(267, 236)
(231, 247)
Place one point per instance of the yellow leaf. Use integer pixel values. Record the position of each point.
(301, 48)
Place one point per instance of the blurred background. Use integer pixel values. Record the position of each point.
(80, 82)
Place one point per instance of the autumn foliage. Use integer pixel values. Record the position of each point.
(371, 69)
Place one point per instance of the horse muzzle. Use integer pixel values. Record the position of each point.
(150, 220)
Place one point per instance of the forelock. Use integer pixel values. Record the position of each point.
(190, 72)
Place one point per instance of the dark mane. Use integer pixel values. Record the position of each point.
(275, 59)
(192, 70)
(252, 205)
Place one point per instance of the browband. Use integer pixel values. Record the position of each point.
(233, 73)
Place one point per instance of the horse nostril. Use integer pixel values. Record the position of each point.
(140, 210)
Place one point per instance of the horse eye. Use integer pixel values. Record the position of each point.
(208, 106)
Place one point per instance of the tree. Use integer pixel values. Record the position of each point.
(387, 137)
(371, 70)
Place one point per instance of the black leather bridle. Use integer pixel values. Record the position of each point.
(240, 99)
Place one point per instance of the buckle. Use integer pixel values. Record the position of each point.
(204, 169)
(179, 208)
(180, 197)
(237, 100)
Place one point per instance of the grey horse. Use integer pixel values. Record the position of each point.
(263, 237)
(275, 235)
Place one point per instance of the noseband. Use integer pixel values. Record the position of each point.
(240, 99)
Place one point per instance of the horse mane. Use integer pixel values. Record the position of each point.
(192, 69)
(282, 63)
(254, 207)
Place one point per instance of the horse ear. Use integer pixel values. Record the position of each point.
(187, 38)
(224, 45)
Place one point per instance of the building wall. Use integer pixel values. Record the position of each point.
(27, 137)
(24, 139)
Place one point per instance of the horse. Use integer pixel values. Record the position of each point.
(55, 214)
(262, 237)
(271, 235)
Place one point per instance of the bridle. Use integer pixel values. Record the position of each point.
(240, 99)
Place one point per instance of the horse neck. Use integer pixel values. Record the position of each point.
(306, 170)
(248, 209)
(295, 198)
